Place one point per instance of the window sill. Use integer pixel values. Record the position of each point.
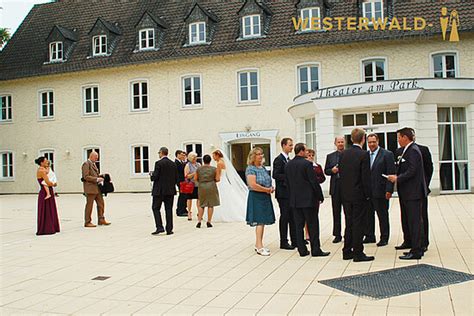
(6, 122)
(139, 111)
(46, 119)
(52, 62)
(196, 44)
(253, 103)
(252, 37)
(98, 56)
(144, 50)
(7, 179)
(90, 115)
(191, 107)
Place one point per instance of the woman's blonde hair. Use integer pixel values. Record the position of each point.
(252, 154)
(191, 156)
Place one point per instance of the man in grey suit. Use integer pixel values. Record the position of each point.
(382, 163)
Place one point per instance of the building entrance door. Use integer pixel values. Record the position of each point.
(239, 153)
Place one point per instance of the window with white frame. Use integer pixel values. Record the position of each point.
(192, 91)
(444, 65)
(141, 160)
(90, 100)
(87, 153)
(55, 51)
(372, 9)
(307, 16)
(139, 96)
(99, 45)
(6, 108)
(48, 154)
(46, 104)
(251, 26)
(194, 147)
(7, 165)
(248, 86)
(147, 39)
(308, 78)
(310, 132)
(374, 70)
(197, 33)
(453, 149)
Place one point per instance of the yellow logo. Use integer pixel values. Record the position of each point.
(449, 21)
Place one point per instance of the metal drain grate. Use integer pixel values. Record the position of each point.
(101, 278)
(399, 281)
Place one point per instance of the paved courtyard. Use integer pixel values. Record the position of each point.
(208, 271)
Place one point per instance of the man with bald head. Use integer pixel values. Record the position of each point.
(91, 179)
(332, 169)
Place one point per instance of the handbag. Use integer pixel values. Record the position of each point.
(186, 187)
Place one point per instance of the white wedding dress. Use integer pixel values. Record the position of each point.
(232, 194)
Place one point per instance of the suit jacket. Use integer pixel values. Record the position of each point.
(427, 163)
(354, 168)
(90, 173)
(332, 160)
(278, 174)
(411, 183)
(384, 163)
(164, 177)
(303, 186)
(180, 166)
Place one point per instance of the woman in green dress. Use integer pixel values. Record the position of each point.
(207, 177)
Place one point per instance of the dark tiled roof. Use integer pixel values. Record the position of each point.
(24, 55)
(67, 33)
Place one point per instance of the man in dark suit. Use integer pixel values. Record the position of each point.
(331, 169)
(381, 163)
(180, 162)
(164, 177)
(305, 195)
(428, 170)
(412, 190)
(354, 169)
(286, 216)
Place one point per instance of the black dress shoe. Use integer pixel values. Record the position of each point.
(209, 225)
(382, 243)
(320, 254)
(402, 247)
(306, 242)
(363, 258)
(368, 240)
(169, 233)
(182, 214)
(304, 254)
(287, 246)
(424, 249)
(408, 252)
(198, 225)
(410, 256)
(337, 239)
(158, 231)
(347, 256)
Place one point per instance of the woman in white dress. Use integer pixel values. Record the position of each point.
(232, 191)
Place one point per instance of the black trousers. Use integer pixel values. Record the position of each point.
(181, 206)
(336, 201)
(156, 207)
(412, 210)
(379, 206)
(356, 223)
(286, 220)
(311, 217)
(424, 216)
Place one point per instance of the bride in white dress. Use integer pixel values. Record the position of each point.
(232, 191)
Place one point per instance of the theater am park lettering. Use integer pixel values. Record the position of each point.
(367, 88)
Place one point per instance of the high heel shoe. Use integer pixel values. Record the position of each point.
(209, 225)
(190, 216)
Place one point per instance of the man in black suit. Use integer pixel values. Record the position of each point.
(412, 190)
(354, 169)
(381, 163)
(286, 216)
(164, 177)
(180, 162)
(305, 195)
(331, 169)
(428, 170)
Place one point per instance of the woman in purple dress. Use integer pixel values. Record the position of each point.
(48, 222)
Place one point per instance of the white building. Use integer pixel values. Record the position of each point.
(125, 79)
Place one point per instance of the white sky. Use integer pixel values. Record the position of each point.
(12, 12)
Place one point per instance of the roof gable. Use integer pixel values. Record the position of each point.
(64, 32)
(193, 12)
(148, 18)
(101, 24)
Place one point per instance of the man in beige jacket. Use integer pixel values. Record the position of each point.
(91, 180)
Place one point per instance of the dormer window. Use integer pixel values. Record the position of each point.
(307, 16)
(197, 33)
(372, 10)
(99, 45)
(56, 51)
(147, 39)
(251, 26)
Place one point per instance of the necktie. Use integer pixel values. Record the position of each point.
(372, 158)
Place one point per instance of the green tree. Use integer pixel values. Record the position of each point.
(4, 36)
